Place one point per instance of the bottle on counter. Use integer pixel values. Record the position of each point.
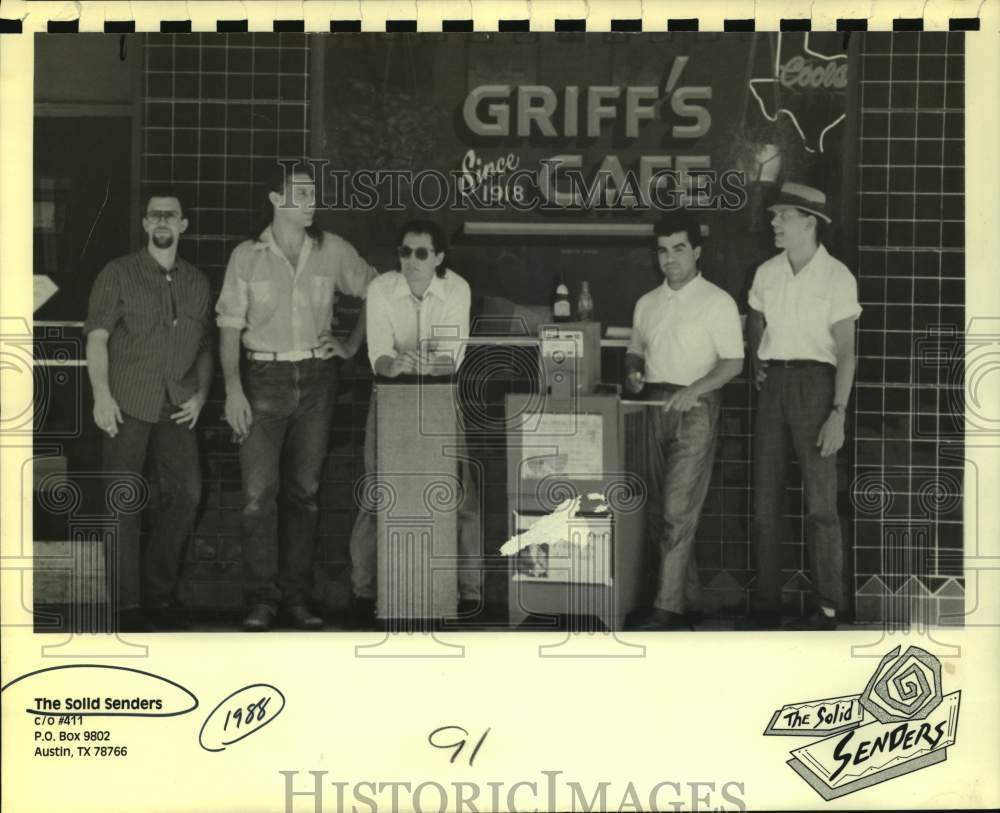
(561, 306)
(585, 304)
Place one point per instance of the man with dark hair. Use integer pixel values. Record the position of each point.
(686, 344)
(277, 301)
(150, 365)
(406, 310)
(803, 305)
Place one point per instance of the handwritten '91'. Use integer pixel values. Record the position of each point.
(455, 737)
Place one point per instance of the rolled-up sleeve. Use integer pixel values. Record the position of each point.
(726, 329)
(637, 341)
(231, 309)
(104, 307)
(845, 303)
(354, 274)
(756, 298)
(378, 326)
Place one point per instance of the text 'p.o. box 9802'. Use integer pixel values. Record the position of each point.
(417, 428)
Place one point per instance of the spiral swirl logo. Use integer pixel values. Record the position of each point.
(128, 494)
(445, 493)
(904, 687)
(871, 494)
(374, 494)
(942, 495)
(553, 490)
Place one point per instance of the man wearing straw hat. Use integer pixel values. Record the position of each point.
(803, 306)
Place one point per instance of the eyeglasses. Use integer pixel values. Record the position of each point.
(166, 217)
(421, 253)
(784, 215)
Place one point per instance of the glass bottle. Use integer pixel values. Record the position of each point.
(585, 304)
(561, 306)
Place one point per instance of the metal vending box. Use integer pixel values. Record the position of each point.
(420, 493)
(570, 355)
(591, 444)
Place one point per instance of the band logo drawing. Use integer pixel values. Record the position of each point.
(901, 722)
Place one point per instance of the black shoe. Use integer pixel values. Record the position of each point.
(259, 618)
(363, 614)
(167, 618)
(469, 607)
(300, 618)
(759, 621)
(816, 620)
(133, 620)
(661, 621)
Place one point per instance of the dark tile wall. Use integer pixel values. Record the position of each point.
(908, 448)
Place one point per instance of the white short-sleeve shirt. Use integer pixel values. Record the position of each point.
(801, 308)
(399, 322)
(681, 335)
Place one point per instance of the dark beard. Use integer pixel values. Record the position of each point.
(163, 242)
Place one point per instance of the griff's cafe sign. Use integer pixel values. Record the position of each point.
(570, 180)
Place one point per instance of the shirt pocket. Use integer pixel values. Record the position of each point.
(263, 302)
(814, 311)
(142, 314)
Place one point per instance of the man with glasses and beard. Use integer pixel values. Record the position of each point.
(277, 302)
(406, 309)
(150, 365)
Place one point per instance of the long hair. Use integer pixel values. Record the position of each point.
(278, 179)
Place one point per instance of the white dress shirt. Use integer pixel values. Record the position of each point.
(801, 308)
(681, 335)
(399, 322)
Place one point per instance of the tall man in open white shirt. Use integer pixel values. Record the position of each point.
(801, 329)
(277, 300)
(687, 342)
(406, 310)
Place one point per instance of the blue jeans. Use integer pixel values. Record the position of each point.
(794, 402)
(683, 448)
(282, 460)
(149, 575)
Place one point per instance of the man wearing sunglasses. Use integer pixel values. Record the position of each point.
(406, 311)
(803, 306)
(149, 360)
(277, 301)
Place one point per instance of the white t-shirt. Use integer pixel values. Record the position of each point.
(681, 335)
(399, 322)
(801, 308)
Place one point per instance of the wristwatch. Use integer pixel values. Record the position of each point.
(840, 409)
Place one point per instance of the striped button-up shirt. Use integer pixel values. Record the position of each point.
(282, 308)
(158, 322)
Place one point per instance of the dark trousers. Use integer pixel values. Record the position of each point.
(794, 403)
(282, 461)
(683, 448)
(148, 576)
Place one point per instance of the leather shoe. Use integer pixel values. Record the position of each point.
(258, 619)
(300, 618)
(816, 620)
(662, 621)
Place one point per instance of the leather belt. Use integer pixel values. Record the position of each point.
(797, 363)
(290, 355)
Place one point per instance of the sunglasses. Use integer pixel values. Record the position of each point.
(421, 253)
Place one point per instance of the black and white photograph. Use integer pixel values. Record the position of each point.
(604, 354)
(730, 304)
